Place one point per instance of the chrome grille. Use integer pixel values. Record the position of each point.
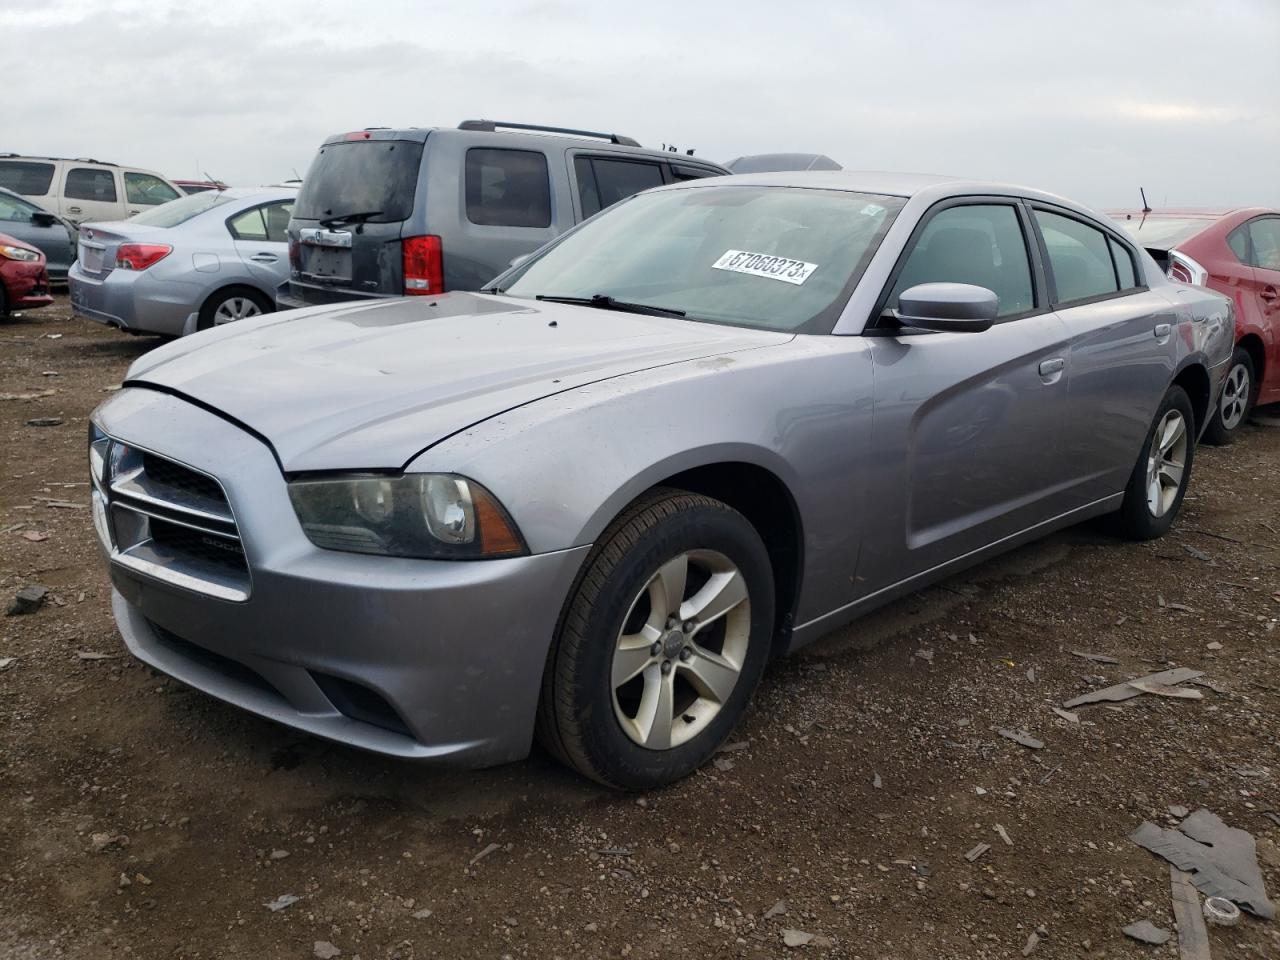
(166, 520)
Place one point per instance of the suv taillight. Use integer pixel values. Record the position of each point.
(139, 256)
(295, 253)
(423, 266)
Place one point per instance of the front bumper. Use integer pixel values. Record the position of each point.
(297, 294)
(26, 285)
(412, 658)
(134, 300)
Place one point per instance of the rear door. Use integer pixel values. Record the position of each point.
(1264, 255)
(91, 193)
(964, 424)
(1122, 350)
(350, 215)
(260, 235)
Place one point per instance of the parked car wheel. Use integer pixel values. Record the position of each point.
(231, 304)
(1239, 391)
(662, 643)
(1160, 477)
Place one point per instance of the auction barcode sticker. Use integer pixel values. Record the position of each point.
(765, 265)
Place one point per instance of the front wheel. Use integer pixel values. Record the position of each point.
(661, 645)
(1159, 479)
(1239, 390)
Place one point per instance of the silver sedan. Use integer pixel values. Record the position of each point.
(709, 425)
(187, 265)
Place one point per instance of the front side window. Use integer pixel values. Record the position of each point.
(86, 183)
(1264, 234)
(145, 190)
(980, 244)
(26, 177)
(507, 188)
(1079, 257)
(775, 258)
(617, 179)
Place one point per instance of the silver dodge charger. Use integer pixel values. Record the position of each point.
(590, 502)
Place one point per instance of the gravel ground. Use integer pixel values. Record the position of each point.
(141, 819)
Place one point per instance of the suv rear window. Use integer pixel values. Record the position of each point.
(21, 176)
(507, 188)
(361, 176)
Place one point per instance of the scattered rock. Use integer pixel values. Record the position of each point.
(282, 901)
(1004, 835)
(1178, 811)
(6, 663)
(102, 842)
(1033, 941)
(723, 764)
(1214, 645)
(1197, 554)
(977, 852)
(27, 600)
(877, 782)
(796, 938)
(1095, 657)
(94, 655)
(1130, 689)
(279, 854)
(1022, 738)
(732, 747)
(35, 536)
(36, 395)
(422, 914)
(1144, 931)
(925, 655)
(324, 950)
(487, 851)
(1066, 715)
(777, 910)
(45, 422)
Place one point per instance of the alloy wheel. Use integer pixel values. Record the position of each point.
(1166, 462)
(235, 308)
(681, 649)
(1235, 396)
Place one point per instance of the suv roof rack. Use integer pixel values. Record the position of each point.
(489, 126)
(33, 156)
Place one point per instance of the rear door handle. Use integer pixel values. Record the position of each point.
(264, 258)
(1162, 330)
(73, 209)
(1049, 367)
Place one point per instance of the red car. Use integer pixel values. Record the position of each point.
(24, 283)
(1236, 253)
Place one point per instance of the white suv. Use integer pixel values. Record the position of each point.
(85, 189)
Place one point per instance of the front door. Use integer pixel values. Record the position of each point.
(964, 446)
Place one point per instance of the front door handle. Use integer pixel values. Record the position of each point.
(1162, 330)
(1270, 294)
(264, 258)
(1049, 367)
(73, 209)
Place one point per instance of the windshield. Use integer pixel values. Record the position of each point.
(1164, 232)
(181, 210)
(777, 258)
(361, 176)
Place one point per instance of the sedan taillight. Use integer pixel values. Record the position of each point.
(1185, 270)
(139, 256)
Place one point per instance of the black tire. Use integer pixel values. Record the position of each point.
(1231, 412)
(577, 721)
(1137, 519)
(216, 299)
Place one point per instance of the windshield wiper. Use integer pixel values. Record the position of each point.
(605, 302)
(350, 218)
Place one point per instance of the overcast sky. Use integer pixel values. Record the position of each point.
(1088, 99)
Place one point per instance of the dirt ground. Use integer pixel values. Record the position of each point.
(141, 819)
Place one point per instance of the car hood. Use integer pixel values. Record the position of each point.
(372, 385)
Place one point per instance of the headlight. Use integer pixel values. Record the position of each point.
(427, 515)
(17, 253)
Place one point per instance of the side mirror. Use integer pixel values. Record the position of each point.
(947, 307)
(40, 218)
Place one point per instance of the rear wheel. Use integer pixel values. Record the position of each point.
(231, 304)
(1239, 390)
(1159, 479)
(662, 643)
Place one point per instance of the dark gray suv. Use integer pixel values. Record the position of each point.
(386, 213)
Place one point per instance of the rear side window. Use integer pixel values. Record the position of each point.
(86, 183)
(268, 222)
(1078, 256)
(507, 188)
(378, 177)
(22, 176)
(145, 190)
(1124, 265)
(603, 181)
(1265, 236)
(981, 244)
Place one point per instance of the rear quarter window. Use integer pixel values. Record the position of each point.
(23, 176)
(507, 188)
